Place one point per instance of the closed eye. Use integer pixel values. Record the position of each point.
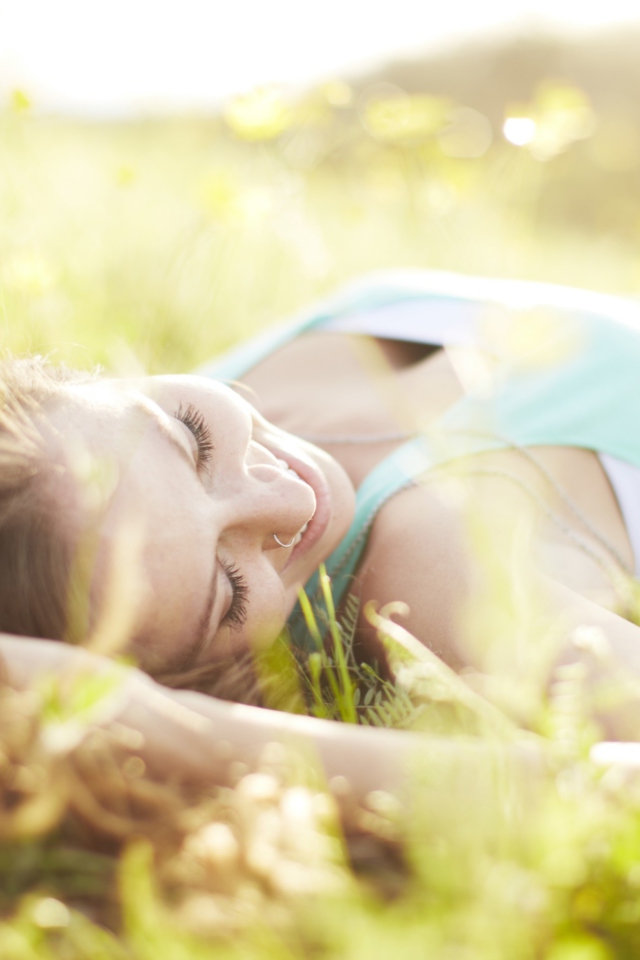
(236, 615)
(194, 420)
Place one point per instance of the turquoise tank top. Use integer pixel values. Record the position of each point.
(557, 367)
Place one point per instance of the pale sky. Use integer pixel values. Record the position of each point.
(127, 56)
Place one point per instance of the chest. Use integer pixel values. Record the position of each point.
(329, 387)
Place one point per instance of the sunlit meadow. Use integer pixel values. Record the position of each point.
(153, 245)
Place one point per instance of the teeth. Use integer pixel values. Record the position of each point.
(300, 534)
(287, 469)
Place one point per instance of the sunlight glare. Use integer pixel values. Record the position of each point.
(519, 131)
(133, 56)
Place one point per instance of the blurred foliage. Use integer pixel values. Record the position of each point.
(155, 244)
(482, 860)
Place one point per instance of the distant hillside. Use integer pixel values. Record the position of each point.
(489, 75)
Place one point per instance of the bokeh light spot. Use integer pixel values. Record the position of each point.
(338, 93)
(50, 914)
(262, 114)
(519, 131)
(20, 101)
(391, 115)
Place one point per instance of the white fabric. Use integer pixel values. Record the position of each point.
(625, 480)
(455, 323)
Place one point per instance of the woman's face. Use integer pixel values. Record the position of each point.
(199, 484)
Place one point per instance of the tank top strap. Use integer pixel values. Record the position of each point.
(398, 471)
(587, 397)
(579, 386)
(401, 469)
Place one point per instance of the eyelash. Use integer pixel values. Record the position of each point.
(194, 420)
(237, 613)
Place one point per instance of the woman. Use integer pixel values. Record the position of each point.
(176, 514)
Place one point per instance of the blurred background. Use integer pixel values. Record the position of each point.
(174, 176)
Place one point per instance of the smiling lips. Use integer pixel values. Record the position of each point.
(300, 534)
(303, 529)
(314, 528)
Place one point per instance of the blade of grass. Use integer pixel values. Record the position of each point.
(348, 708)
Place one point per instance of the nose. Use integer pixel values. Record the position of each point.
(269, 499)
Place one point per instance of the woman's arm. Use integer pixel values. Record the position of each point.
(609, 648)
(430, 567)
(197, 739)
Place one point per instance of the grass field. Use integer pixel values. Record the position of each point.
(158, 243)
(153, 245)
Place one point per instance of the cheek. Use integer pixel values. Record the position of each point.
(267, 613)
(261, 633)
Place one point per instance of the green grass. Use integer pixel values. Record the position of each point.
(159, 243)
(153, 246)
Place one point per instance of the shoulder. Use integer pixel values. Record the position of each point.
(417, 553)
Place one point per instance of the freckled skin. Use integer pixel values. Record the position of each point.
(193, 519)
(417, 551)
(420, 549)
(185, 518)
